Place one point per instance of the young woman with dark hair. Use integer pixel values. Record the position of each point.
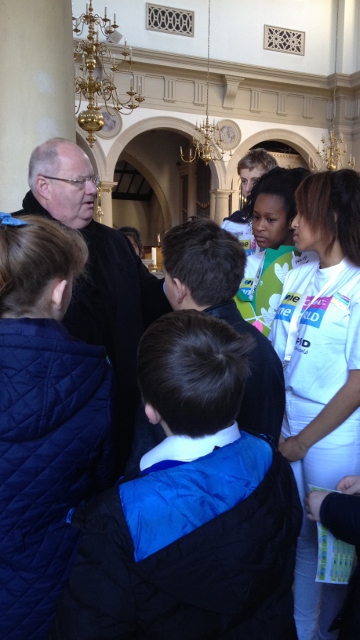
(316, 334)
(271, 209)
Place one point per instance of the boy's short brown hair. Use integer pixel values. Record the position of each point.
(259, 158)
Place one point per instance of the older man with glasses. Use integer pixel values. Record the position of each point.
(118, 297)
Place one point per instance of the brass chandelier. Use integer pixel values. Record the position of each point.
(96, 83)
(207, 136)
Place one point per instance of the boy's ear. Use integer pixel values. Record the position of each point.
(153, 416)
(181, 290)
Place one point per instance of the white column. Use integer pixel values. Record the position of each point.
(106, 203)
(37, 90)
(235, 199)
(221, 204)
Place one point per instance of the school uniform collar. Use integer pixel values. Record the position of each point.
(186, 449)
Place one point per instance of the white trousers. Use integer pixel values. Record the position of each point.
(335, 456)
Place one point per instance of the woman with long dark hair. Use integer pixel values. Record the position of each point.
(316, 334)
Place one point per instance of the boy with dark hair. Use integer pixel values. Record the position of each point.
(201, 545)
(203, 265)
(250, 168)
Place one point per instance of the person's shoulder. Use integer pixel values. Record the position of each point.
(261, 342)
(111, 237)
(104, 230)
(300, 271)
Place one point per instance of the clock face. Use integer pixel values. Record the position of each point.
(230, 134)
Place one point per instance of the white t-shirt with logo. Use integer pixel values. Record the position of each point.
(327, 341)
(243, 232)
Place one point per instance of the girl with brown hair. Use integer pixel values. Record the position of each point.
(55, 419)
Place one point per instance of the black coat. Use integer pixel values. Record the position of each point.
(263, 404)
(341, 515)
(112, 304)
(230, 578)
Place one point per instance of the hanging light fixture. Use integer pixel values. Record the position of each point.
(207, 135)
(97, 59)
(334, 148)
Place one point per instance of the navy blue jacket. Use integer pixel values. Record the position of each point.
(199, 551)
(263, 404)
(55, 452)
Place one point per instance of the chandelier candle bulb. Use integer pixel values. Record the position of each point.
(105, 11)
(87, 7)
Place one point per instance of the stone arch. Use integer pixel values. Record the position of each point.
(154, 185)
(218, 171)
(305, 148)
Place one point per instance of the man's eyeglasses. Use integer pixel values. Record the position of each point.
(81, 182)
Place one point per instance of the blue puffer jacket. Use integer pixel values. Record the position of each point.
(56, 451)
(204, 550)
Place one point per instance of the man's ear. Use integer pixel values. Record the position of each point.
(153, 416)
(42, 187)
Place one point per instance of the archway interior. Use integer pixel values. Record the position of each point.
(156, 190)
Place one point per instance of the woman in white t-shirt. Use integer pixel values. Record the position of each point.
(315, 333)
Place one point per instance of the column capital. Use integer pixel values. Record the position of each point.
(107, 186)
(222, 192)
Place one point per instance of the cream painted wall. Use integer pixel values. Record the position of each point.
(294, 99)
(238, 27)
